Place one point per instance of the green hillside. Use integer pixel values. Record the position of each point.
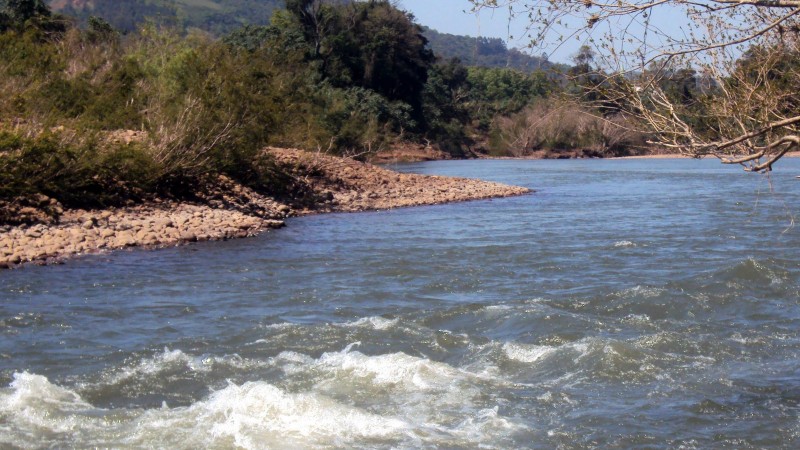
(220, 17)
(482, 52)
(216, 16)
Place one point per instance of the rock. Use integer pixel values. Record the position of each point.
(189, 237)
(28, 211)
(143, 235)
(124, 239)
(88, 224)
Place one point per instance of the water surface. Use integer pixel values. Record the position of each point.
(634, 303)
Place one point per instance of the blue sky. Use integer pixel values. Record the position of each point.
(454, 17)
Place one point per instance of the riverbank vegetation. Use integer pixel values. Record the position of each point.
(92, 116)
(724, 82)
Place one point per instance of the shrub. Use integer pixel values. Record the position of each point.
(562, 125)
(73, 169)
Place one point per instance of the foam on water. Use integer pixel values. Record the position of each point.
(33, 411)
(526, 353)
(171, 360)
(755, 272)
(251, 415)
(341, 399)
(439, 401)
(388, 370)
(373, 322)
(259, 415)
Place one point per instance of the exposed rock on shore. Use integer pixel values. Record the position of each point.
(228, 210)
(347, 185)
(81, 232)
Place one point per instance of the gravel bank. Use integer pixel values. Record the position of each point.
(322, 184)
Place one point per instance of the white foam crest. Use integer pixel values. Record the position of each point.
(435, 402)
(151, 366)
(740, 339)
(178, 360)
(625, 244)
(280, 326)
(636, 318)
(254, 415)
(526, 353)
(33, 406)
(373, 322)
(392, 369)
(400, 401)
(500, 307)
(260, 415)
(483, 423)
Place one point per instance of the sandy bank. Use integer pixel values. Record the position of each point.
(320, 183)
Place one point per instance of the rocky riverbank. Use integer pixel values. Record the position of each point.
(320, 183)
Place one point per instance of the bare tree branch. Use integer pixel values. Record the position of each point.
(739, 59)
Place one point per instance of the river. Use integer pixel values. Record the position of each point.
(625, 304)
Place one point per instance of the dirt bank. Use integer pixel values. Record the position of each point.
(320, 183)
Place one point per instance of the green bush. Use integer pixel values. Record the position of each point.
(76, 173)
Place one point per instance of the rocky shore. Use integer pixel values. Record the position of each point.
(321, 183)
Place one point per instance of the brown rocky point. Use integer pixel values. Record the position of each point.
(323, 184)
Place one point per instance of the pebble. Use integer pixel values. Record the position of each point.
(345, 185)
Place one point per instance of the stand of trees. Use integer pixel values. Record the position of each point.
(95, 117)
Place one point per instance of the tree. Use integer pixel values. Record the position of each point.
(98, 30)
(16, 12)
(22, 10)
(746, 51)
(369, 44)
(316, 19)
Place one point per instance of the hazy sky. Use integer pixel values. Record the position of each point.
(454, 17)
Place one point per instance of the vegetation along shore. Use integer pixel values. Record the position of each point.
(117, 134)
(141, 124)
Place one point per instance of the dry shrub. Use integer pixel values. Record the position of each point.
(559, 126)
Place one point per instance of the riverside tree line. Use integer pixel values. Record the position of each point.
(93, 117)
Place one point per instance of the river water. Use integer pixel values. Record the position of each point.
(625, 304)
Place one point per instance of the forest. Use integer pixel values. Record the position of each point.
(95, 116)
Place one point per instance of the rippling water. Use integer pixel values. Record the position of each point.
(638, 303)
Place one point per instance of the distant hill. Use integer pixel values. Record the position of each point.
(482, 51)
(220, 17)
(216, 16)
